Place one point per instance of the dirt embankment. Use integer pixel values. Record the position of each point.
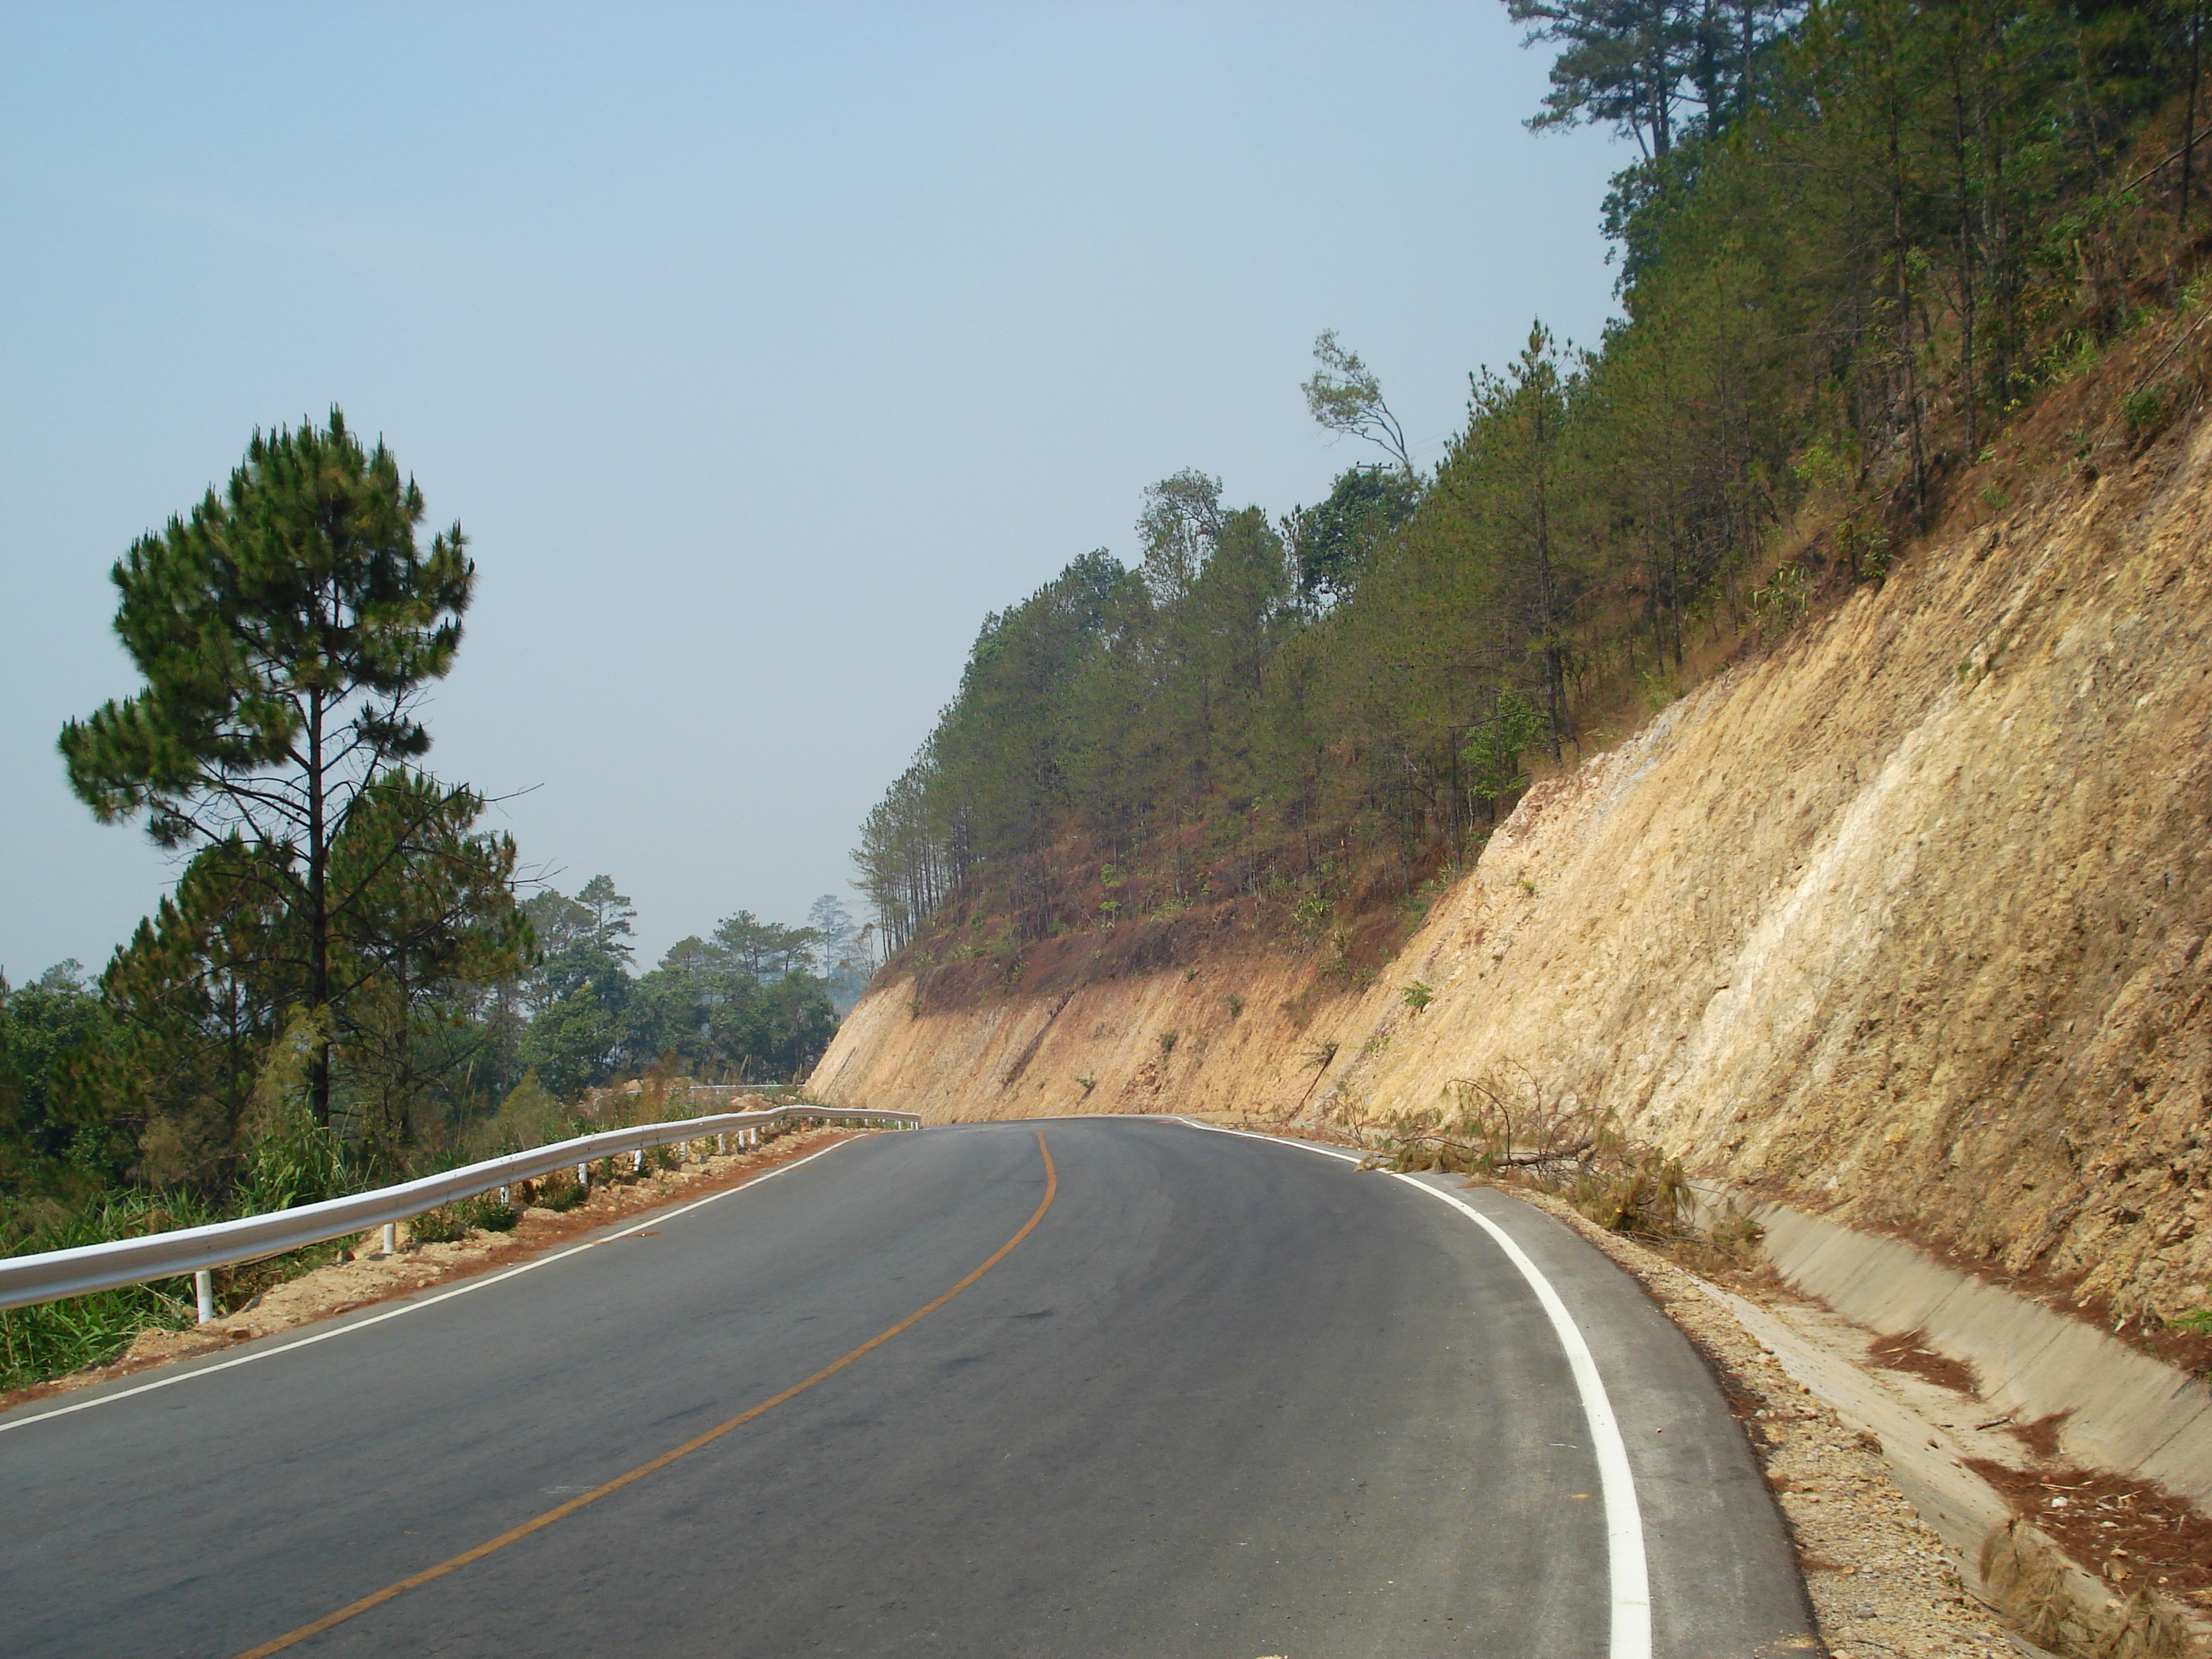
(1904, 922)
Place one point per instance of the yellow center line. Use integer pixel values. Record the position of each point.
(515, 1534)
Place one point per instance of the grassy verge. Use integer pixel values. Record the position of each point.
(53, 1338)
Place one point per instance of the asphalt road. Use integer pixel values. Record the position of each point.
(1224, 1399)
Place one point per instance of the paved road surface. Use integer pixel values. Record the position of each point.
(1226, 1398)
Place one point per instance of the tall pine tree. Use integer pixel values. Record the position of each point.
(285, 630)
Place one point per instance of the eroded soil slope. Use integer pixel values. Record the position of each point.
(1904, 920)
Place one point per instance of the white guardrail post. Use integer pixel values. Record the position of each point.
(53, 1275)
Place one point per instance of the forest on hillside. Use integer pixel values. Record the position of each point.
(1859, 238)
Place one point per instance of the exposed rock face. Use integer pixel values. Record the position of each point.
(1904, 920)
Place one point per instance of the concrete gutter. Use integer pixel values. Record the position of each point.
(1928, 1464)
(2007, 1563)
(2126, 1412)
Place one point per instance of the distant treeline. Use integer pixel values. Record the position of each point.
(172, 1068)
(744, 1002)
(1860, 236)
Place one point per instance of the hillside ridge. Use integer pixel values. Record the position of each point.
(1902, 921)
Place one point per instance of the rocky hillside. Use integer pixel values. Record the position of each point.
(1903, 921)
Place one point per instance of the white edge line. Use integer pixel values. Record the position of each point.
(1630, 1583)
(479, 1283)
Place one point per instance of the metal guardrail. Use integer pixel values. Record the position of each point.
(55, 1274)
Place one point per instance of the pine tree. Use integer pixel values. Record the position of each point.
(285, 630)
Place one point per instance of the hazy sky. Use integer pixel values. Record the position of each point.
(760, 351)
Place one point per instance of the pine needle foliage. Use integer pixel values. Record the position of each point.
(285, 628)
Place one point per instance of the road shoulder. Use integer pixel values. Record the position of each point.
(1905, 1547)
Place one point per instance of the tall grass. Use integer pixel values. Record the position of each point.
(54, 1338)
(292, 1161)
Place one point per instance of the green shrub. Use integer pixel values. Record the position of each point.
(442, 1226)
(2148, 410)
(1786, 597)
(294, 1161)
(491, 1216)
(1308, 919)
(449, 1223)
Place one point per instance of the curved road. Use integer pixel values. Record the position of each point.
(1223, 1398)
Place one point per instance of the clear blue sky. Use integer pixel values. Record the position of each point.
(760, 351)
